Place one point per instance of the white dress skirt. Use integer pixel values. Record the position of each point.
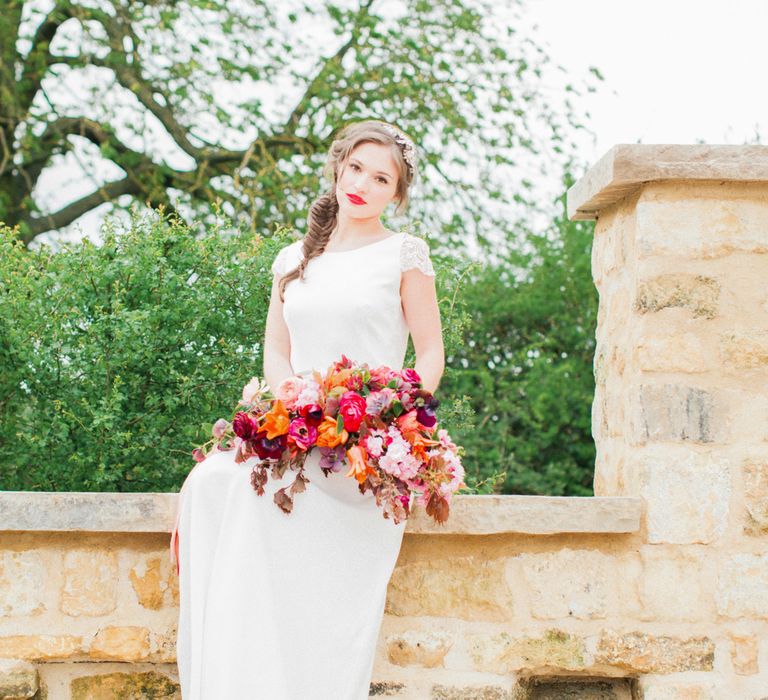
(288, 606)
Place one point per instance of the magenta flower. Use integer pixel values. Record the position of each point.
(304, 434)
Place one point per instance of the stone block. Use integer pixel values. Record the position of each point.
(22, 582)
(744, 654)
(754, 474)
(578, 583)
(697, 294)
(678, 351)
(652, 689)
(502, 653)
(440, 691)
(149, 685)
(120, 644)
(426, 649)
(704, 223)
(42, 647)
(671, 585)
(742, 586)
(90, 582)
(686, 493)
(675, 413)
(471, 588)
(744, 350)
(380, 689)
(642, 652)
(18, 679)
(155, 582)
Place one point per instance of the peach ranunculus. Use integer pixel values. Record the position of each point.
(381, 375)
(359, 467)
(289, 390)
(327, 435)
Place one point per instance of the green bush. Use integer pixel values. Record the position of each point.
(115, 360)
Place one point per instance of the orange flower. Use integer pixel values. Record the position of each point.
(337, 378)
(359, 464)
(327, 435)
(412, 430)
(276, 420)
(407, 422)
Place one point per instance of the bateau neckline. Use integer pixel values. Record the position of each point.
(362, 247)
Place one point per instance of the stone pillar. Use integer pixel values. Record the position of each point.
(680, 414)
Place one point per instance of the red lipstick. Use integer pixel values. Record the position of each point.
(355, 199)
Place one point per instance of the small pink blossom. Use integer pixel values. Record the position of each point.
(251, 389)
(219, 428)
(377, 402)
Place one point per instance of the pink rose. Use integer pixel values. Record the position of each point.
(352, 410)
(289, 390)
(411, 376)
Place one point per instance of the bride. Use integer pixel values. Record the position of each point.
(289, 606)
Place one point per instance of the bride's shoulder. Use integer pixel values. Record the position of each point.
(285, 257)
(414, 253)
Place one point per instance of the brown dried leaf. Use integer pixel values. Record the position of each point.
(283, 500)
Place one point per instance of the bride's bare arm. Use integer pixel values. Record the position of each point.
(419, 299)
(277, 341)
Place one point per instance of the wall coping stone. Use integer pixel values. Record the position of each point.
(148, 512)
(626, 167)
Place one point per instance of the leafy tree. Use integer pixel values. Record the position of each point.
(452, 73)
(526, 364)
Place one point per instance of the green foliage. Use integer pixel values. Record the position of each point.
(115, 360)
(526, 363)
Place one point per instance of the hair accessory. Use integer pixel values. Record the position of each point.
(409, 150)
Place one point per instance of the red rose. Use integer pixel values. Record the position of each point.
(244, 426)
(352, 410)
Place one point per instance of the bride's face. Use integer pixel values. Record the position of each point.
(370, 173)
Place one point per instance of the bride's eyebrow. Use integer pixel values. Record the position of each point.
(380, 172)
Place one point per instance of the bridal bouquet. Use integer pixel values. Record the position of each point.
(380, 422)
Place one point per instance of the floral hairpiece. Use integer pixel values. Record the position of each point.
(409, 150)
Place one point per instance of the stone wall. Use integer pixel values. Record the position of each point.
(656, 588)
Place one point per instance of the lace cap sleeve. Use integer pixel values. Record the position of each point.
(415, 253)
(278, 264)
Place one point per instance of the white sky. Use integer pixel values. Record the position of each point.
(676, 71)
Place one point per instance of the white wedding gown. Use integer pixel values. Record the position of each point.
(288, 606)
